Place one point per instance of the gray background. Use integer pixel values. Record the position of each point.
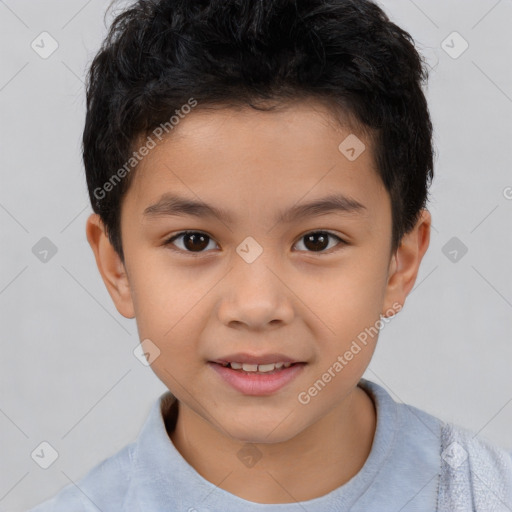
(68, 375)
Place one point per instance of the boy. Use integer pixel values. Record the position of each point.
(291, 141)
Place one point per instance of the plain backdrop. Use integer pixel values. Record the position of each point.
(68, 374)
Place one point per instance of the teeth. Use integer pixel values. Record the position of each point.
(263, 368)
(266, 367)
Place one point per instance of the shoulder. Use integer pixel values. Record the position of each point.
(475, 474)
(102, 488)
(472, 473)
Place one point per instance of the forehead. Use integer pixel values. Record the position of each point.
(245, 158)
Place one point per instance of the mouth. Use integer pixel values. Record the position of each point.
(267, 369)
(257, 379)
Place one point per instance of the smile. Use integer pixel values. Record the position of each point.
(263, 368)
(257, 380)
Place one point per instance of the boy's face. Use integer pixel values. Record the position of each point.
(255, 284)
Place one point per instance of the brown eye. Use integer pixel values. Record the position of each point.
(192, 241)
(318, 241)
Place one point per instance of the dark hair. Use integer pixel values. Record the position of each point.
(159, 54)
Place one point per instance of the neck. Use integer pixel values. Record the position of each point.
(321, 458)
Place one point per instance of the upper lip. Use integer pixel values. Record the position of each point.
(243, 357)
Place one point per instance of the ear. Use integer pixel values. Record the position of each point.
(405, 263)
(111, 267)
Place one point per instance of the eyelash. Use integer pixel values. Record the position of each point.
(169, 241)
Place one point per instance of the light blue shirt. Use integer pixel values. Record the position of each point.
(416, 463)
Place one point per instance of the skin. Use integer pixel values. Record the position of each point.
(307, 304)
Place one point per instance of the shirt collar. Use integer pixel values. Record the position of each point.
(162, 477)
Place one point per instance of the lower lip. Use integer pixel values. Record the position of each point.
(258, 384)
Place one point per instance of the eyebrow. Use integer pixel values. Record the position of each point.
(174, 205)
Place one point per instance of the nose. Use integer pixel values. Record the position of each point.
(255, 295)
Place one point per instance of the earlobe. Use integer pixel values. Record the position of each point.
(110, 266)
(405, 263)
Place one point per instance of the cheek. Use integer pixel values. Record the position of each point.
(347, 298)
(167, 306)
(163, 296)
(347, 309)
